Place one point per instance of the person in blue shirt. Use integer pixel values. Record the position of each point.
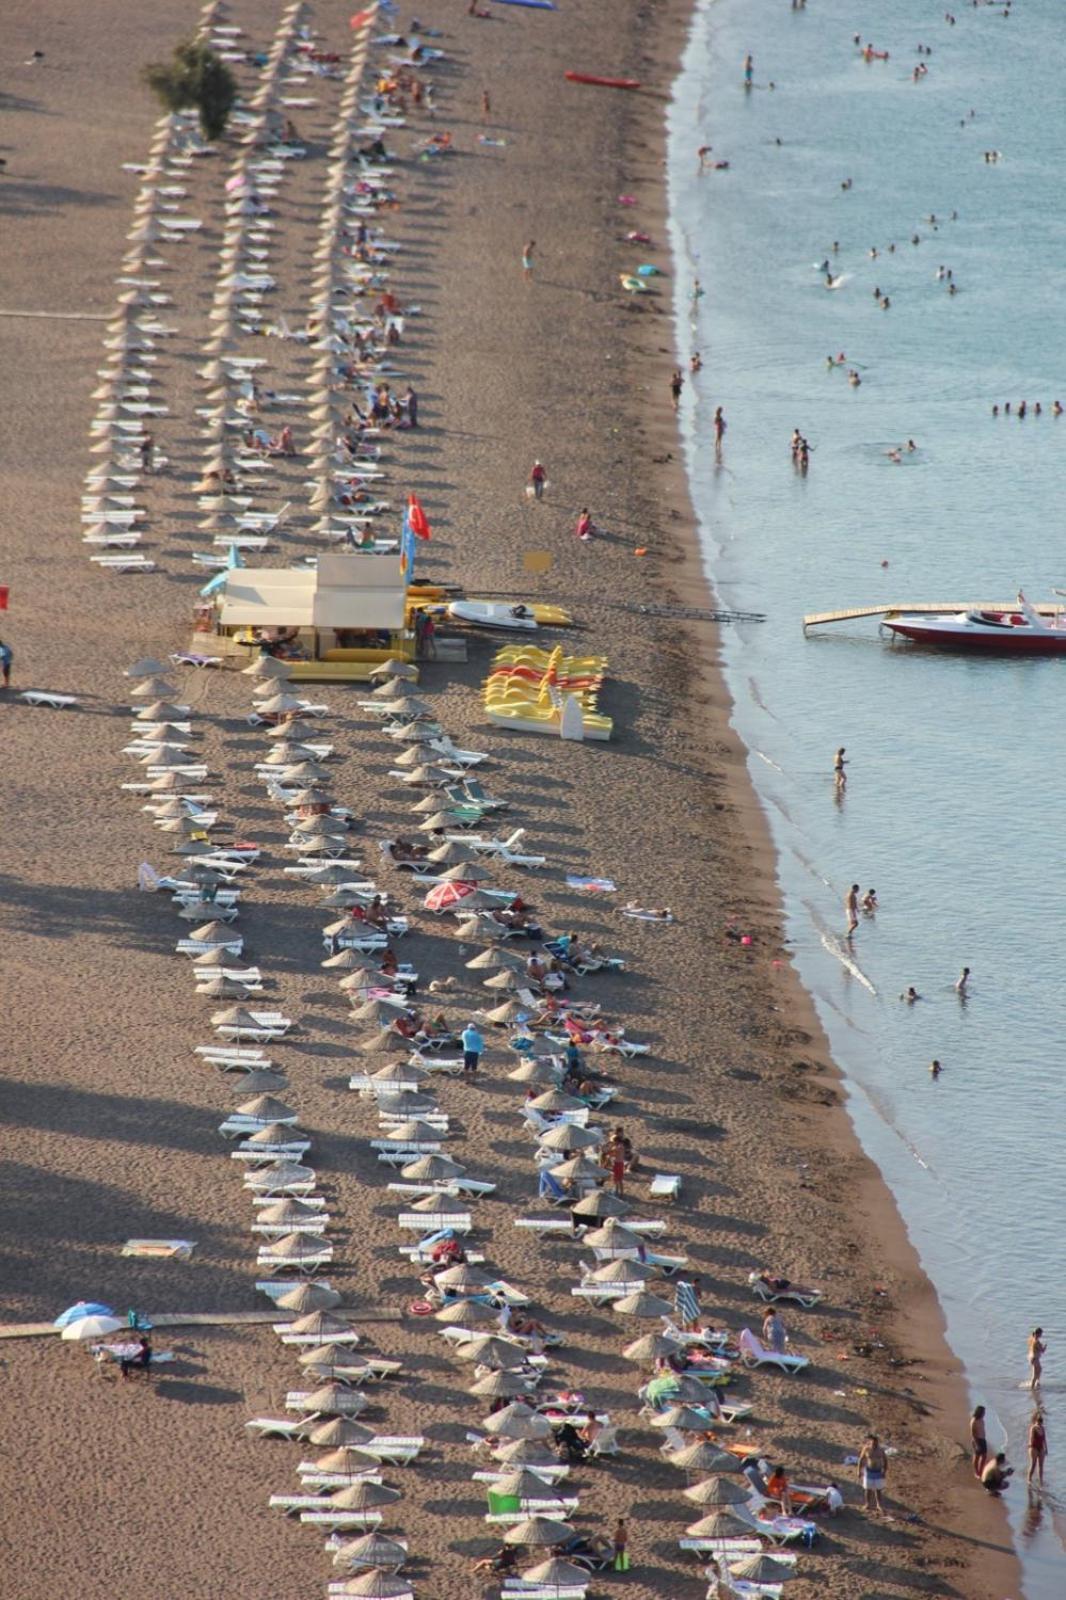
(5, 663)
(473, 1045)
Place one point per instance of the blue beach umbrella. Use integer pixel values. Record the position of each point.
(84, 1308)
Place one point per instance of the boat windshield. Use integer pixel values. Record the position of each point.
(997, 619)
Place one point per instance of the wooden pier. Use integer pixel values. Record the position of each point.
(929, 607)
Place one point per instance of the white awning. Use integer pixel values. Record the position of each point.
(356, 591)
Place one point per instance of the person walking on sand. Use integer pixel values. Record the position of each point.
(6, 658)
(473, 1045)
(677, 383)
(537, 480)
(1037, 1448)
(851, 906)
(978, 1441)
(840, 777)
(1037, 1350)
(527, 260)
(873, 1470)
(486, 105)
(719, 432)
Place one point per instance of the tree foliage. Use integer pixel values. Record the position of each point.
(195, 77)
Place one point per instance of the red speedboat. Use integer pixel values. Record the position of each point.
(1022, 631)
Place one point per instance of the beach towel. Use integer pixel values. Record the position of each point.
(591, 885)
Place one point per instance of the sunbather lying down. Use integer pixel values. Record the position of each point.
(768, 1287)
(648, 913)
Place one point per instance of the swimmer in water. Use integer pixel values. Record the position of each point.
(911, 447)
(962, 983)
(1056, 409)
(695, 361)
(703, 152)
(909, 996)
(749, 72)
(935, 1069)
(869, 902)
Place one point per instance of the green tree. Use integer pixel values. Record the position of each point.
(195, 76)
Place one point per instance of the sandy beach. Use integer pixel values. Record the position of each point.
(111, 1120)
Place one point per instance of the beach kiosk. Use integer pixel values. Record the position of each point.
(334, 623)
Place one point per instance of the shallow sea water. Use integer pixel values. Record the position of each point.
(953, 805)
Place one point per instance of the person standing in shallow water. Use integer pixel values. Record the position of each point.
(840, 776)
(851, 906)
(1037, 1448)
(719, 432)
(1037, 1351)
(978, 1441)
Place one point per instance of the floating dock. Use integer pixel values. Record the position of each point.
(817, 618)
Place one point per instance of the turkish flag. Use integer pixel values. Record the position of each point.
(417, 517)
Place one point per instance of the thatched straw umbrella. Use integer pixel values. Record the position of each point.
(488, 1350)
(372, 1550)
(517, 1423)
(539, 1532)
(340, 1433)
(645, 1305)
(715, 1491)
(308, 1296)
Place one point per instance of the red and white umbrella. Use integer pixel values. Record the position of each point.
(443, 895)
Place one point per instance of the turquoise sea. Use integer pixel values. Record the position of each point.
(952, 809)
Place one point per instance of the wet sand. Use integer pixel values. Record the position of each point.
(110, 1119)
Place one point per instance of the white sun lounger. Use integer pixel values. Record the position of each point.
(428, 1222)
(543, 1506)
(287, 1150)
(665, 1186)
(233, 1055)
(805, 1297)
(339, 1521)
(48, 697)
(307, 1264)
(197, 947)
(262, 1186)
(515, 1589)
(753, 1353)
(238, 1126)
(309, 1225)
(292, 1504)
(313, 1340)
(475, 1187)
(124, 563)
(283, 1427)
(296, 1400)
